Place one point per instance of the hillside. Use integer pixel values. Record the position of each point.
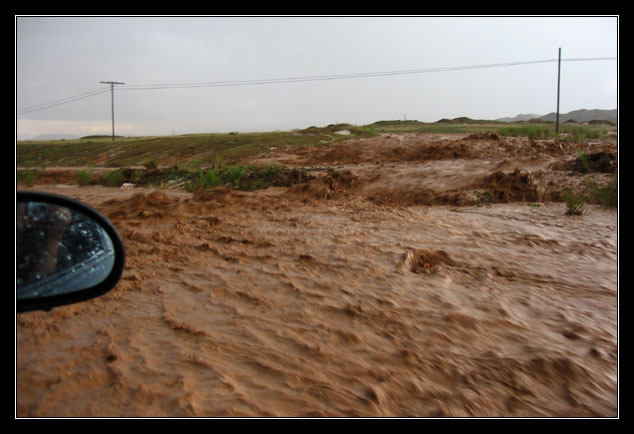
(582, 115)
(519, 118)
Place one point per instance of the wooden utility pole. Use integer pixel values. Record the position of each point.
(112, 83)
(558, 76)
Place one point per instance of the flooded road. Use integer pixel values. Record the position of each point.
(338, 302)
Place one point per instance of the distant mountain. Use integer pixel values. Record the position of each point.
(55, 137)
(582, 115)
(519, 118)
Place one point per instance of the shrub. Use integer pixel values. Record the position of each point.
(234, 174)
(27, 177)
(114, 179)
(607, 196)
(150, 165)
(84, 177)
(576, 204)
(208, 179)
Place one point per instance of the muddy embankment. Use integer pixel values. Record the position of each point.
(335, 298)
(459, 170)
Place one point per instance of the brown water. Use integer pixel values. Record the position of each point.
(333, 300)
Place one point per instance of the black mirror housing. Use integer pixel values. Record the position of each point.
(60, 285)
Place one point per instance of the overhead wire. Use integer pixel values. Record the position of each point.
(63, 101)
(345, 76)
(295, 80)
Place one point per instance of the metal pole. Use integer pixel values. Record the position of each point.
(112, 107)
(112, 83)
(558, 80)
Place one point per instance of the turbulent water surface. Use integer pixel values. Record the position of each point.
(387, 293)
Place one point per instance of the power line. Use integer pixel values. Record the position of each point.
(295, 80)
(347, 76)
(63, 101)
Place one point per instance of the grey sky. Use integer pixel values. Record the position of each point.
(62, 57)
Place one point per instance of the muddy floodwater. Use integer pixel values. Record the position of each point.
(389, 290)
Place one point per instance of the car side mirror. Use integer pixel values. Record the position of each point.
(66, 251)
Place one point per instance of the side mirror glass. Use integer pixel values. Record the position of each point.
(66, 252)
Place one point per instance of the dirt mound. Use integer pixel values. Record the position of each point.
(217, 194)
(389, 149)
(487, 135)
(422, 196)
(153, 206)
(517, 186)
(340, 154)
(596, 162)
(55, 176)
(332, 185)
(426, 261)
(440, 151)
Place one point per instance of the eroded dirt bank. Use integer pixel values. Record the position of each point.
(340, 299)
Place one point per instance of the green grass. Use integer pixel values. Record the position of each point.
(247, 177)
(532, 131)
(579, 134)
(569, 133)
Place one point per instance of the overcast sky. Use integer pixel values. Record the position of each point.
(62, 60)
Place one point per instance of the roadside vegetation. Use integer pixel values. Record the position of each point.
(208, 160)
(245, 178)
